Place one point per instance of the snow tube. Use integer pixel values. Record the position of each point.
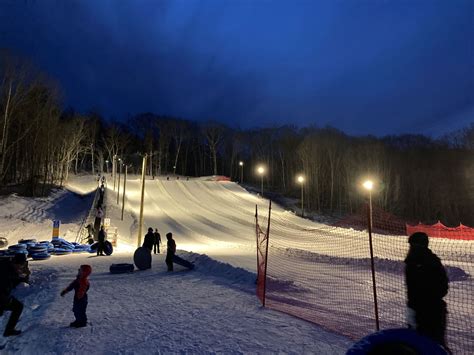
(17, 247)
(40, 256)
(396, 341)
(182, 262)
(108, 248)
(26, 241)
(61, 251)
(142, 258)
(37, 249)
(121, 268)
(94, 246)
(80, 248)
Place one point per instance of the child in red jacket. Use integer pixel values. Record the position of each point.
(80, 286)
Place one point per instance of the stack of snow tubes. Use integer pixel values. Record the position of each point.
(20, 248)
(63, 247)
(43, 250)
(39, 251)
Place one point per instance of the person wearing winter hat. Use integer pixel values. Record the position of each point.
(171, 250)
(149, 239)
(80, 286)
(427, 284)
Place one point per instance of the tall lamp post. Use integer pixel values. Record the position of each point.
(140, 223)
(369, 186)
(301, 182)
(124, 189)
(118, 185)
(241, 164)
(107, 166)
(114, 168)
(261, 171)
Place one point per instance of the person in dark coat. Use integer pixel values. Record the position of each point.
(101, 238)
(149, 239)
(427, 284)
(90, 233)
(9, 279)
(80, 286)
(156, 241)
(171, 250)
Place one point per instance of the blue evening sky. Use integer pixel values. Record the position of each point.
(363, 66)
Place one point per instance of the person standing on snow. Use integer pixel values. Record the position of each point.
(9, 279)
(156, 241)
(102, 237)
(80, 286)
(171, 250)
(149, 239)
(427, 284)
(90, 233)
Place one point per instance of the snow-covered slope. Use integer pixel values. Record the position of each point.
(210, 310)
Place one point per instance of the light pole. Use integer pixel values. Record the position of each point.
(107, 166)
(118, 185)
(114, 168)
(301, 182)
(124, 187)
(241, 164)
(261, 171)
(369, 186)
(140, 223)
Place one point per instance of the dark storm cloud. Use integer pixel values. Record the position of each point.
(363, 66)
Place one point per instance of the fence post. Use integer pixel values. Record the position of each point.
(140, 221)
(256, 236)
(369, 222)
(266, 255)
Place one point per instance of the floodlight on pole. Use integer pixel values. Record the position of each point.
(241, 164)
(261, 172)
(369, 186)
(107, 166)
(301, 180)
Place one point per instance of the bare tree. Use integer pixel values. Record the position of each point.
(214, 133)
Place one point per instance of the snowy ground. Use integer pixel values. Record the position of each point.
(210, 310)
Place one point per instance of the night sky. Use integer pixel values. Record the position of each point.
(363, 66)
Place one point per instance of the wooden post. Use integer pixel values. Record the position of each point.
(266, 254)
(140, 223)
(123, 192)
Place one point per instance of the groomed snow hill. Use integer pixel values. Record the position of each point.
(210, 310)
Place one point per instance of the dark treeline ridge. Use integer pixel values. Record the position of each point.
(420, 179)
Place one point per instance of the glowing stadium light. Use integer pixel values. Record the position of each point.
(301, 180)
(241, 164)
(261, 172)
(368, 185)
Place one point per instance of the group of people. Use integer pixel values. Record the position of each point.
(152, 241)
(426, 283)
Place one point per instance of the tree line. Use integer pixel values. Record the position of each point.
(418, 178)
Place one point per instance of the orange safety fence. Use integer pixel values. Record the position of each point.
(439, 230)
(322, 273)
